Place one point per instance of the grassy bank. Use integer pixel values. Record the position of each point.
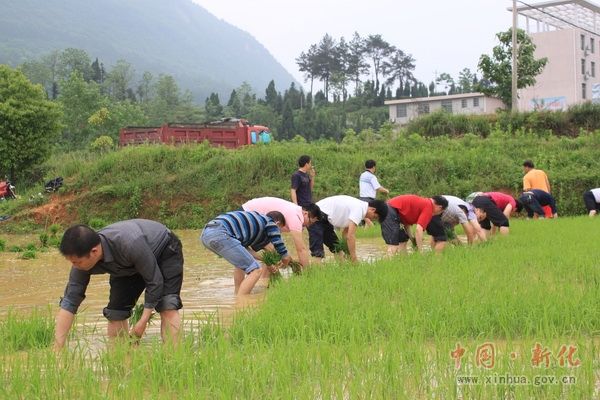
(382, 330)
(186, 186)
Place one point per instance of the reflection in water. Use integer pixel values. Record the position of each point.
(207, 291)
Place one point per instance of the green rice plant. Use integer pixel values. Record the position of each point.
(54, 229)
(30, 247)
(296, 267)
(2, 244)
(342, 246)
(28, 255)
(136, 314)
(15, 249)
(43, 239)
(271, 258)
(20, 331)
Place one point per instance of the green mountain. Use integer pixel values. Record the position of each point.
(175, 37)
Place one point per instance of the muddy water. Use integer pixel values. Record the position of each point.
(207, 288)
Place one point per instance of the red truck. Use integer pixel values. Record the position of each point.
(229, 132)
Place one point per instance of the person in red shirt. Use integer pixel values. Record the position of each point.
(494, 209)
(505, 202)
(407, 210)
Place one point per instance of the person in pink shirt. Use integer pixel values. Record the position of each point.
(296, 218)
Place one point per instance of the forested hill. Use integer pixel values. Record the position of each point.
(175, 37)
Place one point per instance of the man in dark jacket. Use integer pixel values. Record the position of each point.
(138, 254)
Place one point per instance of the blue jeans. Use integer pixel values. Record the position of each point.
(216, 238)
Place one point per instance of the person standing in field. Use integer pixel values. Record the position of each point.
(296, 218)
(303, 181)
(407, 210)
(346, 213)
(463, 213)
(534, 178)
(534, 200)
(591, 198)
(138, 255)
(237, 236)
(369, 185)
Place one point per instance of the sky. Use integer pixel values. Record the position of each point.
(442, 35)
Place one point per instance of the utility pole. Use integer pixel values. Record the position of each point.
(515, 98)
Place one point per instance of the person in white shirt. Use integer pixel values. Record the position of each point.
(369, 184)
(346, 213)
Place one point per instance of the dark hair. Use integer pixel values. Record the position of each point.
(528, 164)
(519, 205)
(277, 217)
(78, 241)
(440, 201)
(464, 209)
(370, 164)
(313, 210)
(303, 160)
(380, 207)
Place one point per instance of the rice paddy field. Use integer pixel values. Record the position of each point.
(517, 317)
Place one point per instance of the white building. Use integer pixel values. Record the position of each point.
(566, 33)
(402, 111)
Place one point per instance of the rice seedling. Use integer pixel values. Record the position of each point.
(342, 246)
(28, 255)
(30, 331)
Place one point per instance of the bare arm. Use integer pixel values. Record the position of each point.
(507, 210)
(140, 327)
(469, 231)
(64, 321)
(419, 237)
(350, 233)
(383, 190)
(293, 196)
(478, 230)
(301, 249)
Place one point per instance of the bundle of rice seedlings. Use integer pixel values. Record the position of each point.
(296, 267)
(136, 314)
(342, 245)
(269, 258)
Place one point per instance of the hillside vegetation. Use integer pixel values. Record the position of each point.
(175, 37)
(185, 186)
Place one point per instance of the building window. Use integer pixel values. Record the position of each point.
(476, 102)
(447, 105)
(582, 66)
(583, 90)
(401, 111)
(593, 69)
(582, 42)
(423, 108)
(592, 45)
(463, 103)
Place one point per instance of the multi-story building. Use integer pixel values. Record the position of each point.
(565, 32)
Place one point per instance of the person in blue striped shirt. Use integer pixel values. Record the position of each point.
(237, 236)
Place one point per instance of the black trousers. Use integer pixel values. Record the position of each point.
(322, 233)
(590, 201)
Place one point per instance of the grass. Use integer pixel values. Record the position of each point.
(162, 182)
(379, 330)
